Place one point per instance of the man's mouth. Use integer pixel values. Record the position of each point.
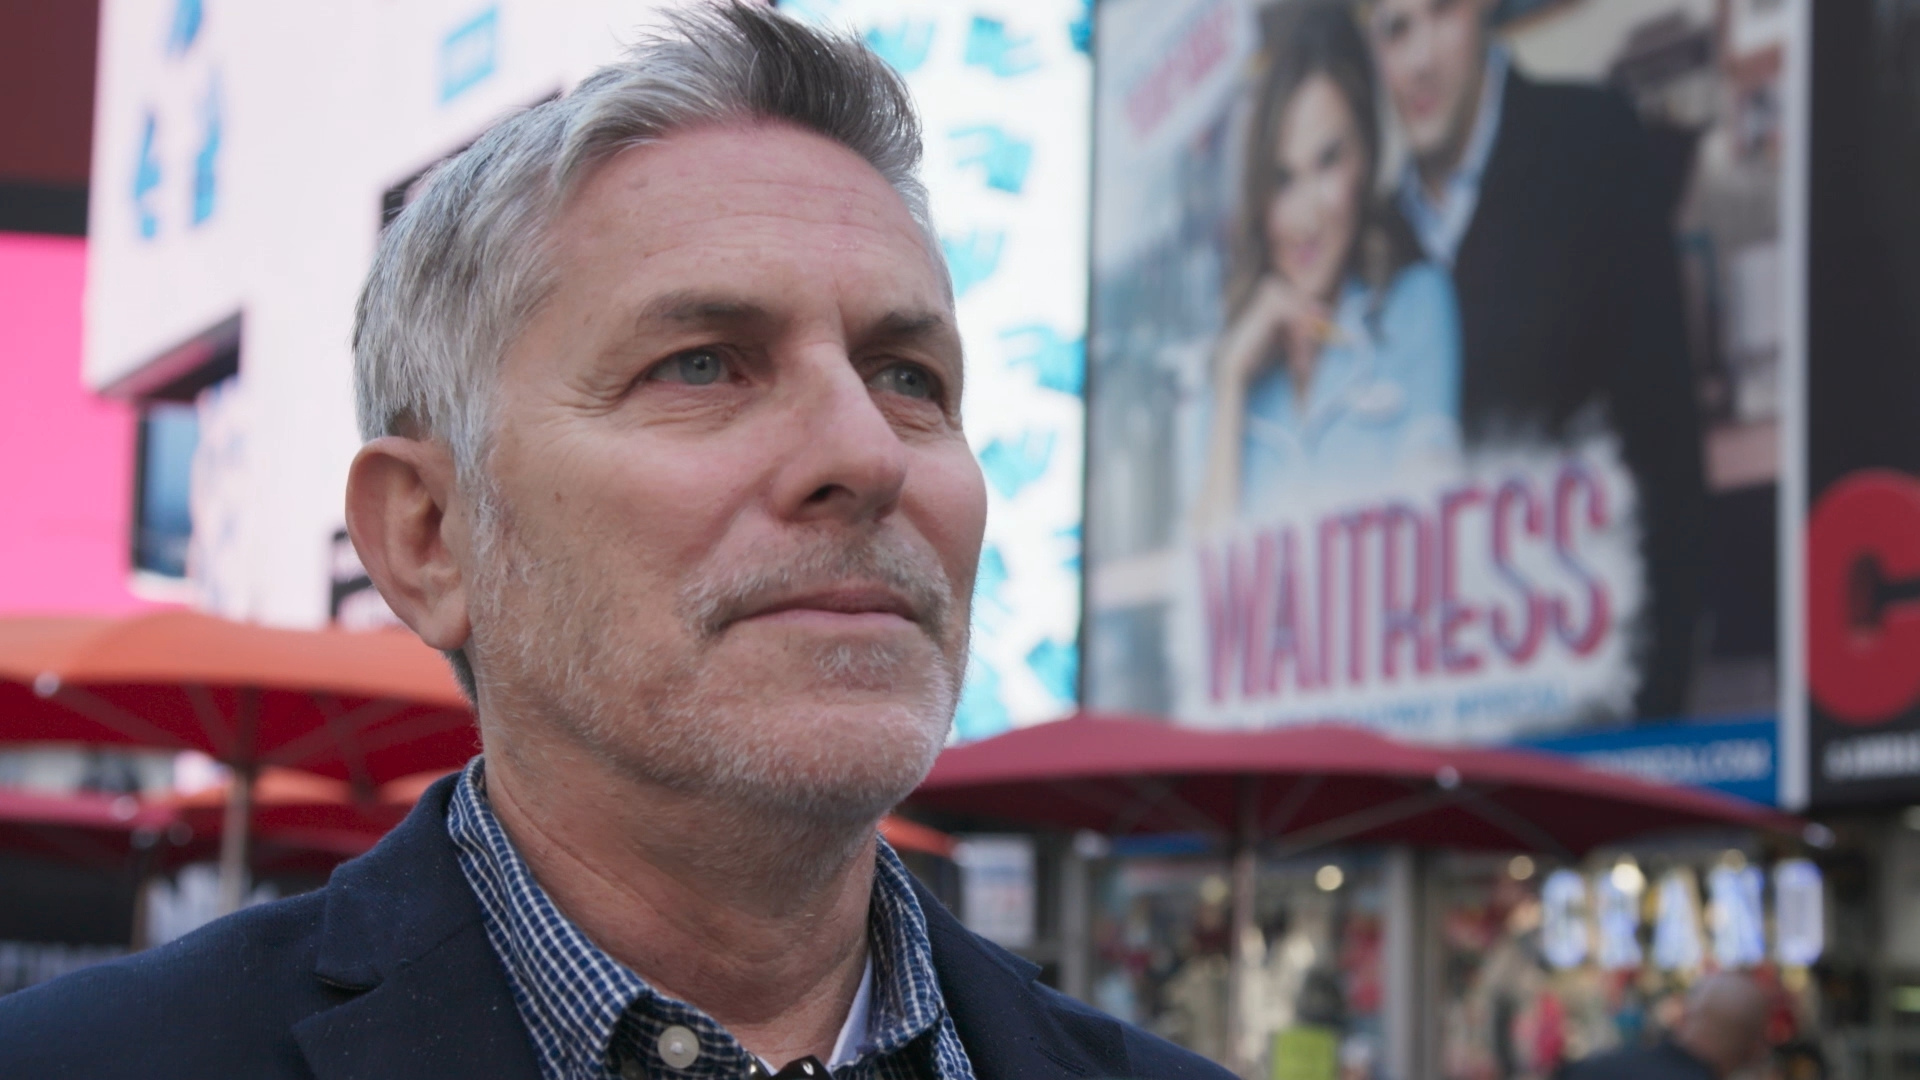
(842, 607)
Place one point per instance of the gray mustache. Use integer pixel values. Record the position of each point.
(718, 600)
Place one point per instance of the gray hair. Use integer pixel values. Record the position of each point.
(465, 264)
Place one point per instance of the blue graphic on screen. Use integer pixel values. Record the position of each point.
(1071, 537)
(1080, 30)
(1003, 159)
(146, 177)
(1058, 363)
(468, 54)
(988, 603)
(903, 45)
(989, 46)
(1057, 665)
(206, 178)
(814, 11)
(972, 258)
(185, 28)
(981, 712)
(1011, 465)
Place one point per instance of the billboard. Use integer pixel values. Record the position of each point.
(1861, 740)
(1441, 360)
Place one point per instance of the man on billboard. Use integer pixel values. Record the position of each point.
(1544, 201)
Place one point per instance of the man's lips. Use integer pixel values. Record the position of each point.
(1422, 104)
(841, 606)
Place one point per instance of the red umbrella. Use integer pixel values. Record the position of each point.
(1310, 785)
(85, 828)
(300, 821)
(314, 820)
(362, 707)
(1302, 787)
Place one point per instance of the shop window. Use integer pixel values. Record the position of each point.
(1542, 963)
(1313, 985)
(162, 516)
(169, 392)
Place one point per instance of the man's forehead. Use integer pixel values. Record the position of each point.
(724, 200)
(745, 169)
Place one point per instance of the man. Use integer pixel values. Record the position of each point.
(661, 387)
(1723, 1032)
(1543, 200)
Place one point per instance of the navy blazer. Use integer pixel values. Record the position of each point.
(387, 972)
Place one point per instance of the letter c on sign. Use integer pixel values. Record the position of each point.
(1863, 648)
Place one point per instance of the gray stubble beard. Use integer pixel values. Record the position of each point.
(666, 720)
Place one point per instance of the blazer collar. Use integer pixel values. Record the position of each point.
(1005, 1020)
(402, 932)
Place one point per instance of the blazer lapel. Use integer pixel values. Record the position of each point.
(403, 934)
(447, 1014)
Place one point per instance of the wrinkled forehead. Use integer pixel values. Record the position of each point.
(748, 236)
(754, 192)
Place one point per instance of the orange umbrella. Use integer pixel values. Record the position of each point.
(363, 707)
(913, 836)
(315, 815)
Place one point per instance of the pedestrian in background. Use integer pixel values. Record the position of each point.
(1722, 1033)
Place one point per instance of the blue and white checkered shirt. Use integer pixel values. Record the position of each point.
(591, 1018)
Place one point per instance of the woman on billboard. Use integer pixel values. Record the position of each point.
(1341, 357)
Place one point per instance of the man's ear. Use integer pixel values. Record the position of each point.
(410, 537)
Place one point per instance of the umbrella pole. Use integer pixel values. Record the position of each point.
(233, 839)
(1240, 928)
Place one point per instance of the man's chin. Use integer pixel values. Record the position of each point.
(834, 760)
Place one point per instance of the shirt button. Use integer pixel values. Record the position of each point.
(678, 1046)
(631, 1069)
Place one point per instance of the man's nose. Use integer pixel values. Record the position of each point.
(1418, 49)
(845, 460)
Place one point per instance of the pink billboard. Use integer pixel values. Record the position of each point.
(66, 484)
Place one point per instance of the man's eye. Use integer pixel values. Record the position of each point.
(695, 367)
(908, 380)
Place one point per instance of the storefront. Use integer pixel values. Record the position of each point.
(1536, 963)
(1322, 901)
(1314, 988)
(1522, 962)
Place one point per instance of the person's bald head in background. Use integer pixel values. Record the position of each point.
(1725, 1024)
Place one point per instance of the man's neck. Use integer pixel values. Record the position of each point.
(760, 925)
(1436, 170)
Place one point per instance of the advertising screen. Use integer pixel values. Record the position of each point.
(1437, 360)
(1862, 557)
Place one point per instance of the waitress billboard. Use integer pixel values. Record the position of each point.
(1437, 360)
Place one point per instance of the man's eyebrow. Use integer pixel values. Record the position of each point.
(693, 308)
(911, 326)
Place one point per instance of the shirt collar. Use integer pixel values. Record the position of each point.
(1442, 224)
(584, 1009)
